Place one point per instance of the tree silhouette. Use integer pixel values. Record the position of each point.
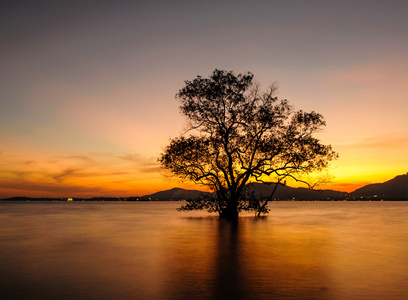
(239, 134)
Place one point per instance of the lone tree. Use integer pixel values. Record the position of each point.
(238, 135)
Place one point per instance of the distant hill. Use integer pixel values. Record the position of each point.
(174, 194)
(396, 188)
(284, 192)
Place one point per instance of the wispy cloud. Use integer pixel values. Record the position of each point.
(374, 75)
(139, 164)
(385, 142)
(101, 173)
(25, 188)
(16, 174)
(81, 158)
(150, 169)
(131, 157)
(28, 162)
(67, 173)
(390, 142)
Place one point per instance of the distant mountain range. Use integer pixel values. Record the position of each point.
(174, 194)
(394, 189)
(282, 193)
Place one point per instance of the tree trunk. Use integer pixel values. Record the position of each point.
(231, 211)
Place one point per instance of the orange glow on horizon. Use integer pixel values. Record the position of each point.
(87, 97)
(40, 174)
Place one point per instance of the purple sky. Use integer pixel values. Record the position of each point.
(87, 87)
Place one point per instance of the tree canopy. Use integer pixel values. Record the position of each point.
(239, 134)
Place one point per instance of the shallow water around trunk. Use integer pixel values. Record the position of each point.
(148, 250)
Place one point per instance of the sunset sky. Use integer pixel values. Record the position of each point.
(87, 88)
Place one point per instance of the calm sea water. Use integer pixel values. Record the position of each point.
(148, 250)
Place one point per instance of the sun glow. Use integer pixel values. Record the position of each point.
(88, 112)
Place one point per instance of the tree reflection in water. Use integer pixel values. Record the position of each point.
(310, 250)
(229, 281)
(248, 260)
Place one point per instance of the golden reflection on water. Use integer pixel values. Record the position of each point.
(150, 251)
(248, 260)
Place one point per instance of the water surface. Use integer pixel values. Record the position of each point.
(148, 250)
